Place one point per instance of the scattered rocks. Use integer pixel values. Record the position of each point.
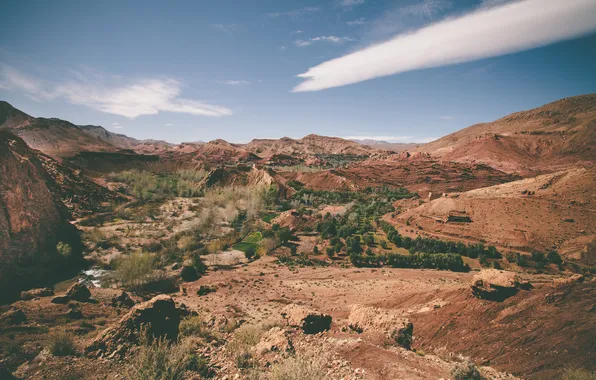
(123, 300)
(159, 317)
(274, 340)
(310, 321)
(364, 318)
(576, 278)
(496, 285)
(78, 292)
(36, 293)
(13, 317)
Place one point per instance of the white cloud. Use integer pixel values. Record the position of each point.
(333, 39)
(132, 99)
(350, 3)
(297, 32)
(169, 125)
(426, 8)
(446, 118)
(484, 33)
(360, 21)
(294, 12)
(234, 82)
(282, 48)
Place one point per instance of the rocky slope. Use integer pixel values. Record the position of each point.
(32, 219)
(559, 133)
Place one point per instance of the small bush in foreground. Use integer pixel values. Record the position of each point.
(62, 344)
(298, 368)
(578, 374)
(160, 360)
(466, 371)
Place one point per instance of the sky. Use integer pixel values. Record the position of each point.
(394, 70)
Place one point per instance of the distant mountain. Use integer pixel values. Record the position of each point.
(60, 138)
(395, 147)
(308, 145)
(558, 133)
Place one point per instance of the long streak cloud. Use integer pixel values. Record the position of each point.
(484, 33)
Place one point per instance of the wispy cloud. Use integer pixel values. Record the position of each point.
(359, 21)
(350, 3)
(484, 33)
(228, 28)
(126, 98)
(234, 82)
(116, 126)
(446, 118)
(426, 8)
(333, 39)
(294, 12)
(169, 125)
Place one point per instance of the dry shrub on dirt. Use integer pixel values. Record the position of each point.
(299, 368)
(466, 371)
(61, 343)
(160, 360)
(135, 270)
(245, 338)
(578, 374)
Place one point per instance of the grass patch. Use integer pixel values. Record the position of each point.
(267, 218)
(62, 344)
(244, 246)
(254, 237)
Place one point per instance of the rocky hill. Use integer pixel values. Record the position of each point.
(308, 145)
(559, 133)
(33, 220)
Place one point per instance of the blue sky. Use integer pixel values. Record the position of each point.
(200, 70)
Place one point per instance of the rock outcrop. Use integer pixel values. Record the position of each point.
(309, 321)
(274, 340)
(364, 318)
(496, 285)
(32, 220)
(78, 292)
(36, 293)
(158, 318)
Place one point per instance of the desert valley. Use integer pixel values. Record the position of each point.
(472, 256)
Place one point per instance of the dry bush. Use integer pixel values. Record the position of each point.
(299, 368)
(466, 371)
(135, 270)
(245, 338)
(578, 374)
(61, 343)
(160, 360)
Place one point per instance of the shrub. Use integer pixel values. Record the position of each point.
(330, 251)
(578, 374)
(135, 270)
(160, 360)
(299, 368)
(189, 273)
(191, 326)
(554, 257)
(244, 339)
(64, 250)
(62, 344)
(466, 371)
(250, 252)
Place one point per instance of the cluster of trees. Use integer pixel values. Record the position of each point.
(147, 186)
(443, 261)
(371, 198)
(433, 246)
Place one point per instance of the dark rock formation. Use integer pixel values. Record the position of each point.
(37, 293)
(310, 321)
(158, 318)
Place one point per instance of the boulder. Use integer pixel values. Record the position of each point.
(365, 318)
(496, 285)
(74, 312)
(274, 340)
(78, 292)
(61, 300)
(36, 293)
(13, 317)
(158, 318)
(310, 321)
(123, 300)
